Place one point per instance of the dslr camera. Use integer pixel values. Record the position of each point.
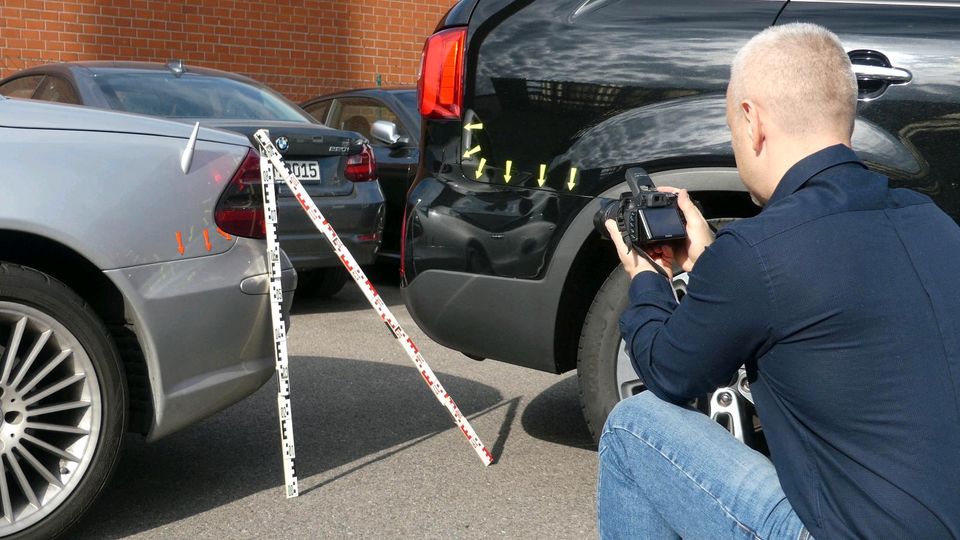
(644, 216)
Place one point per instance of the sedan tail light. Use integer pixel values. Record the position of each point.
(440, 86)
(361, 167)
(240, 208)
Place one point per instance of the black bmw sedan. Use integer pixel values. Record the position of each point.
(389, 119)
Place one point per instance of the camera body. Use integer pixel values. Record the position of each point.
(644, 216)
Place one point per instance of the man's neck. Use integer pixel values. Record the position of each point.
(792, 151)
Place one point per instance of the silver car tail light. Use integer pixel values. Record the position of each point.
(240, 208)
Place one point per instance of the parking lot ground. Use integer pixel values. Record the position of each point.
(377, 455)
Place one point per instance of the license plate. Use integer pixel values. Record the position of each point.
(305, 171)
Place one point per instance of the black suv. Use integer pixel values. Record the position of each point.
(535, 108)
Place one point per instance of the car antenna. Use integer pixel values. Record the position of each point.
(186, 157)
(176, 67)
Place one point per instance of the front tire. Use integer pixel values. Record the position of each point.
(63, 401)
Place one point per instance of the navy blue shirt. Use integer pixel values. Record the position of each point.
(842, 298)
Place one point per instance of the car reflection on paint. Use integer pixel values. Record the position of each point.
(512, 226)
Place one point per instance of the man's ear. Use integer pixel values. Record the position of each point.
(755, 128)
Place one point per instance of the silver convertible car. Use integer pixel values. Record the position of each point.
(133, 295)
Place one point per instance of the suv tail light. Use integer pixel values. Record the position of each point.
(440, 86)
(361, 167)
(240, 208)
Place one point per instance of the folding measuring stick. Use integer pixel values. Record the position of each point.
(279, 330)
(270, 155)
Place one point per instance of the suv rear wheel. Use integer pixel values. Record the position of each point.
(63, 402)
(604, 371)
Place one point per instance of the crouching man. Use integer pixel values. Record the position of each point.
(841, 298)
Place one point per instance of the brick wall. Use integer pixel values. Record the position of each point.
(300, 48)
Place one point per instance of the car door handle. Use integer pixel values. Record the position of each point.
(891, 75)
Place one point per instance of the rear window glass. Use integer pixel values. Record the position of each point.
(194, 96)
(22, 87)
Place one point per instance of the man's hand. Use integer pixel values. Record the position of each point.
(633, 262)
(699, 234)
(685, 255)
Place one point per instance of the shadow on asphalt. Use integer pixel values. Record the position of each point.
(555, 416)
(385, 278)
(342, 414)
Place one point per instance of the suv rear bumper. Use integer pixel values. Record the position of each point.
(507, 319)
(487, 316)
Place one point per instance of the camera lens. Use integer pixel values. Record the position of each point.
(608, 210)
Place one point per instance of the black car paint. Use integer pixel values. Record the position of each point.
(507, 270)
(920, 120)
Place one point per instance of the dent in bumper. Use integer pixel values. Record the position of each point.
(207, 343)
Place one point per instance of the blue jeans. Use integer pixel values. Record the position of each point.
(670, 472)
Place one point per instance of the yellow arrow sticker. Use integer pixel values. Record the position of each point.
(480, 166)
(573, 178)
(506, 175)
(543, 170)
(471, 127)
(472, 151)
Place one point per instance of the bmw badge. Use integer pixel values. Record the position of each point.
(282, 144)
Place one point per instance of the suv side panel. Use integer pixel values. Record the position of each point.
(549, 92)
(562, 88)
(918, 123)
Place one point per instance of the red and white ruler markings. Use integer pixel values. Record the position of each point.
(279, 330)
(269, 153)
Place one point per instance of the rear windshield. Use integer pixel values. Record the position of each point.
(194, 96)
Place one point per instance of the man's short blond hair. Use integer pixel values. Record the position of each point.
(800, 73)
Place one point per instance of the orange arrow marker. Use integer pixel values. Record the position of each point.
(223, 234)
(206, 240)
(180, 242)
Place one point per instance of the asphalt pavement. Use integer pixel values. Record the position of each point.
(377, 455)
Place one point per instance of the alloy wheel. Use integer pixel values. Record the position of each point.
(51, 406)
(628, 382)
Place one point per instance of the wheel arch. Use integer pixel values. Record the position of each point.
(101, 294)
(718, 188)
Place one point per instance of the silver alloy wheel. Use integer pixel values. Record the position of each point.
(51, 409)
(628, 383)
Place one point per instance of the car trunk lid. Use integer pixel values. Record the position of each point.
(316, 154)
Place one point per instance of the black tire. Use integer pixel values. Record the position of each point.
(322, 282)
(598, 350)
(46, 299)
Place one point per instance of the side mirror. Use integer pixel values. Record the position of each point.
(387, 133)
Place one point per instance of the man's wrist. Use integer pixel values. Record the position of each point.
(637, 271)
(644, 283)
